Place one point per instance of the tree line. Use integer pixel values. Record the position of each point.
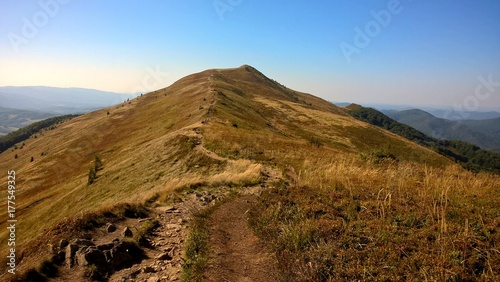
(24, 133)
(469, 156)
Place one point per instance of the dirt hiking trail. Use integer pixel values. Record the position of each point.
(236, 254)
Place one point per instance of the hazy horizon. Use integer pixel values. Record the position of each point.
(422, 53)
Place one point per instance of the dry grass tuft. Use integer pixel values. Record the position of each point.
(353, 220)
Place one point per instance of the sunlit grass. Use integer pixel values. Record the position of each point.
(355, 220)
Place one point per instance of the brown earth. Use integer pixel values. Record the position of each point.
(236, 254)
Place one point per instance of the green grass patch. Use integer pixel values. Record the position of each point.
(196, 254)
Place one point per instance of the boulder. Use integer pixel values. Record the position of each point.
(164, 256)
(92, 256)
(148, 269)
(122, 255)
(105, 247)
(59, 258)
(63, 243)
(153, 279)
(71, 250)
(83, 242)
(110, 228)
(127, 233)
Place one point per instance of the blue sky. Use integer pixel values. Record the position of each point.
(420, 52)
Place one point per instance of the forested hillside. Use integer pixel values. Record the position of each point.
(469, 156)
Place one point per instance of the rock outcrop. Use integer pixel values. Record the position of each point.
(102, 259)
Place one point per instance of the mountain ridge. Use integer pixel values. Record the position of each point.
(483, 133)
(468, 155)
(215, 128)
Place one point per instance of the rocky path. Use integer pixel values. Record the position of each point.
(164, 254)
(236, 253)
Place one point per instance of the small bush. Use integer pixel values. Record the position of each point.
(92, 176)
(48, 268)
(97, 163)
(92, 273)
(31, 275)
(315, 142)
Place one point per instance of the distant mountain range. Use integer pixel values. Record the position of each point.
(484, 133)
(13, 119)
(444, 113)
(58, 100)
(456, 115)
(305, 170)
(21, 106)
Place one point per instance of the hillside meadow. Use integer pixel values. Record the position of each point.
(355, 202)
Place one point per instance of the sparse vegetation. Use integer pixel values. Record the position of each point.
(92, 273)
(92, 176)
(364, 204)
(388, 222)
(315, 141)
(97, 163)
(143, 230)
(196, 254)
(24, 133)
(93, 170)
(48, 269)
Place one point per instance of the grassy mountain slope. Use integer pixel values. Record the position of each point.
(146, 146)
(269, 117)
(483, 133)
(364, 177)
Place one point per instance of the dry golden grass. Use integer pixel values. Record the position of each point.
(351, 184)
(359, 203)
(144, 145)
(347, 219)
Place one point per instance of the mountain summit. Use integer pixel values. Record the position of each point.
(142, 141)
(216, 128)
